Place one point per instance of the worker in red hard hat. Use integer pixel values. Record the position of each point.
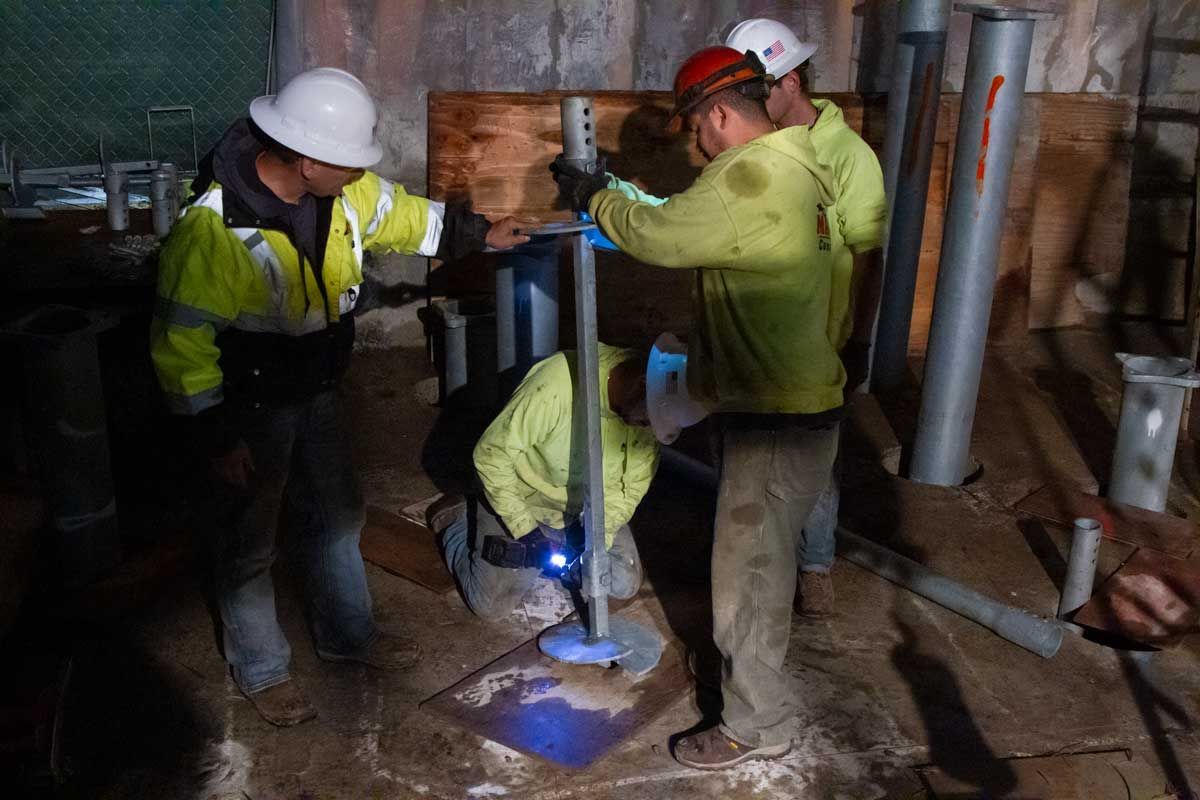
(759, 356)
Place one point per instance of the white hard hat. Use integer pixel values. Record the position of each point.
(324, 113)
(773, 42)
(668, 404)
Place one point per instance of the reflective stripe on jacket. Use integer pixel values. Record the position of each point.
(248, 285)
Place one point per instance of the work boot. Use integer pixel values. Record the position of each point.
(815, 599)
(283, 704)
(712, 749)
(444, 510)
(625, 566)
(383, 652)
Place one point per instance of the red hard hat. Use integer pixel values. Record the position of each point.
(709, 71)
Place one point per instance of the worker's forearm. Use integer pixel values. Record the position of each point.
(866, 286)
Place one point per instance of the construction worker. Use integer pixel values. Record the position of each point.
(252, 332)
(755, 225)
(860, 216)
(526, 523)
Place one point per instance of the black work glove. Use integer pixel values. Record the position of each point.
(576, 186)
(463, 232)
(856, 361)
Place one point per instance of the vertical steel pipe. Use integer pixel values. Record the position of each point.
(1081, 566)
(116, 199)
(68, 435)
(997, 63)
(1151, 406)
(579, 148)
(526, 310)
(912, 113)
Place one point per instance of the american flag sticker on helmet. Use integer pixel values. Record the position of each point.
(774, 51)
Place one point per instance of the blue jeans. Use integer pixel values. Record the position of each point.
(817, 543)
(301, 462)
(493, 592)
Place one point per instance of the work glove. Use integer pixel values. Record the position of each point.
(856, 361)
(463, 231)
(576, 186)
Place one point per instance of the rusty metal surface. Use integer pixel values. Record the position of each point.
(568, 715)
(1153, 599)
(1123, 523)
(405, 548)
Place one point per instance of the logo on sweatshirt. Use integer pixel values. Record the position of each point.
(823, 241)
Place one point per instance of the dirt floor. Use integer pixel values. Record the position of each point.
(900, 698)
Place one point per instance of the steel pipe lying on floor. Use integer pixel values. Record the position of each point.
(1035, 634)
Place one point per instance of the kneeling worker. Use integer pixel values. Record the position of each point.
(526, 523)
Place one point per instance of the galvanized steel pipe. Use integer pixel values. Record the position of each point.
(1035, 634)
(1151, 406)
(912, 113)
(1081, 566)
(526, 310)
(993, 90)
(579, 147)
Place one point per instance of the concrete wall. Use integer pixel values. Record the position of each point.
(403, 49)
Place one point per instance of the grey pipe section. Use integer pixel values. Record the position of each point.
(913, 104)
(579, 147)
(288, 42)
(1081, 566)
(1035, 634)
(1151, 406)
(1019, 627)
(526, 310)
(993, 90)
(68, 435)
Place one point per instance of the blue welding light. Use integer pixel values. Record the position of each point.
(558, 560)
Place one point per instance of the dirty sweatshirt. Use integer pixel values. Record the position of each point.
(755, 224)
(860, 214)
(526, 463)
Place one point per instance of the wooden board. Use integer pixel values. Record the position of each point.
(1130, 524)
(1152, 599)
(405, 548)
(1084, 776)
(565, 714)
(1066, 219)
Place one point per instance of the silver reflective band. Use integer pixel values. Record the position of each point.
(194, 404)
(185, 316)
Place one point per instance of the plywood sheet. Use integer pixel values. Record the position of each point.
(566, 714)
(405, 548)
(1067, 215)
(1130, 524)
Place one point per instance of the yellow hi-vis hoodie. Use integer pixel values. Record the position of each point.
(860, 213)
(755, 224)
(529, 471)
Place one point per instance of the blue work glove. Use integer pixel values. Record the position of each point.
(597, 239)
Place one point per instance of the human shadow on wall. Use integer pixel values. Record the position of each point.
(652, 154)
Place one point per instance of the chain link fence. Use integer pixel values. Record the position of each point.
(72, 73)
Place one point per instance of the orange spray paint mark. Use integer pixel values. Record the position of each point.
(981, 167)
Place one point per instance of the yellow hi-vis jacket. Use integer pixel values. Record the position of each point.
(528, 469)
(214, 279)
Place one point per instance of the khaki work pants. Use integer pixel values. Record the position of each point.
(771, 477)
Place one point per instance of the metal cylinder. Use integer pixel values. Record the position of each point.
(162, 202)
(116, 198)
(1035, 634)
(997, 63)
(172, 171)
(68, 435)
(526, 310)
(579, 148)
(1081, 566)
(579, 132)
(912, 113)
(1151, 406)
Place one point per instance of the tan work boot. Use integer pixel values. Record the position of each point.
(815, 599)
(283, 704)
(384, 652)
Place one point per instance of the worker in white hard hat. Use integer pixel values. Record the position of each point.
(860, 213)
(252, 331)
